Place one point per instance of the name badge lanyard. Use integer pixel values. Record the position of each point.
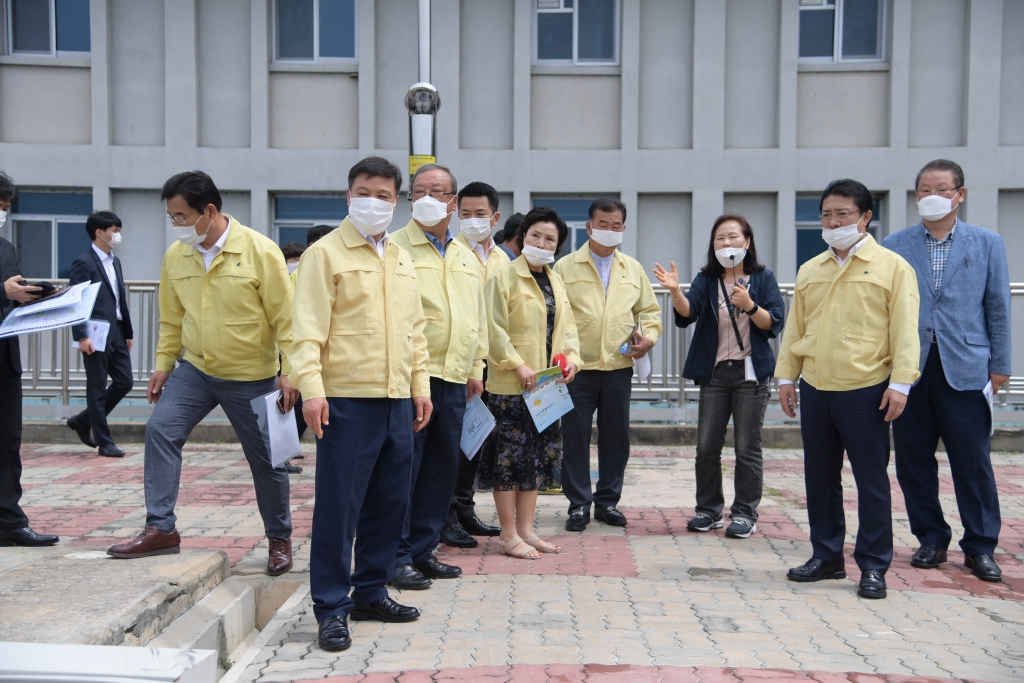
(731, 309)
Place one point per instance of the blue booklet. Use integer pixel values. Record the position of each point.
(549, 400)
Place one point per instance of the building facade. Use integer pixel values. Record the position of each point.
(684, 109)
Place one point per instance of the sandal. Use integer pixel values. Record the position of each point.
(509, 548)
(542, 546)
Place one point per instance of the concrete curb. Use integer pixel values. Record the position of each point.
(1009, 439)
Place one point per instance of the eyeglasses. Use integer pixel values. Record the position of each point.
(436, 194)
(841, 215)
(922, 193)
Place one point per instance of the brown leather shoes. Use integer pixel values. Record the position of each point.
(151, 541)
(280, 559)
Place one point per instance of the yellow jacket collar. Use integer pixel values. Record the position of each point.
(233, 243)
(523, 268)
(584, 255)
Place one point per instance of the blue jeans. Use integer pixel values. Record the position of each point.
(187, 398)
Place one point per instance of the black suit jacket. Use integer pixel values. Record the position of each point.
(88, 268)
(9, 267)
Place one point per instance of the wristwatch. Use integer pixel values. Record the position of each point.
(753, 310)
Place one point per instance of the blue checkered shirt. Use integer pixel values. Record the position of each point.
(939, 252)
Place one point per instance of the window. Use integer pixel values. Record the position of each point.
(315, 30)
(808, 227)
(574, 211)
(842, 30)
(295, 214)
(49, 231)
(51, 28)
(576, 32)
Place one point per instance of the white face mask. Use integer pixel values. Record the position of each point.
(428, 211)
(475, 229)
(186, 234)
(292, 266)
(3, 218)
(371, 215)
(934, 207)
(536, 256)
(606, 238)
(730, 257)
(842, 237)
(113, 239)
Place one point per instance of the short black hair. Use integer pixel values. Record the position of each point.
(511, 229)
(609, 206)
(374, 167)
(195, 187)
(430, 167)
(100, 220)
(292, 250)
(851, 189)
(542, 214)
(7, 188)
(499, 237)
(316, 232)
(478, 189)
(942, 165)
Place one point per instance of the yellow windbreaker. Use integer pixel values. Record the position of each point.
(606, 321)
(853, 326)
(518, 326)
(359, 322)
(453, 303)
(231, 320)
(496, 259)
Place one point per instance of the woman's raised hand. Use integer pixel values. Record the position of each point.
(668, 279)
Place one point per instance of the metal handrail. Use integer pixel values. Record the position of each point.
(63, 377)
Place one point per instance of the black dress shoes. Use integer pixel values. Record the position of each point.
(474, 526)
(26, 537)
(455, 536)
(578, 519)
(384, 609)
(928, 557)
(407, 577)
(609, 515)
(111, 451)
(984, 567)
(84, 433)
(816, 570)
(872, 584)
(334, 635)
(432, 569)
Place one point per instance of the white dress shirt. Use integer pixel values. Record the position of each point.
(107, 260)
(482, 251)
(211, 253)
(380, 245)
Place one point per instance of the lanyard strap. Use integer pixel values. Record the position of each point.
(729, 310)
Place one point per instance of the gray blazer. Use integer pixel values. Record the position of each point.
(9, 267)
(970, 313)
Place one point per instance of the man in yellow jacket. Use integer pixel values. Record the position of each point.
(851, 338)
(478, 216)
(360, 361)
(225, 309)
(610, 296)
(449, 282)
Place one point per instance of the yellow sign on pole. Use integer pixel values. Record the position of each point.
(417, 160)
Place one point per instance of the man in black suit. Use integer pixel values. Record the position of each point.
(99, 264)
(14, 529)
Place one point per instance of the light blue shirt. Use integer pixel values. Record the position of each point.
(441, 248)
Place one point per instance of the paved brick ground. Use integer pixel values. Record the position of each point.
(648, 602)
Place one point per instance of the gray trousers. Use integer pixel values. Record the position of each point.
(728, 395)
(187, 398)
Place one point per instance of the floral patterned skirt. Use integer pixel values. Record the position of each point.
(516, 457)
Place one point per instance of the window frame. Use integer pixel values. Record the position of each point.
(837, 34)
(575, 61)
(8, 37)
(307, 223)
(317, 59)
(54, 219)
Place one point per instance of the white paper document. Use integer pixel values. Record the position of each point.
(69, 297)
(987, 391)
(642, 365)
(279, 430)
(748, 370)
(97, 331)
(50, 319)
(476, 427)
(549, 400)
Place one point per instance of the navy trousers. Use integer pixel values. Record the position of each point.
(831, 422)
(363, 465)
(12, 517)
(116, 362)
(435, 463)
(962, 419)
(607, 392)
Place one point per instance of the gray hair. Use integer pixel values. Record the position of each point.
(430, 167)
(7, 187)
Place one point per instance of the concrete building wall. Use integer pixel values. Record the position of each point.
(666, 74)
(137, 72)
(575, 112)
(938, 45)
(845, 109)
(760, 210)
(1011, 92)
(486, 59)
(1011, 207)
(752, 73)
(225, 74)
(663, 233)
(43, 104)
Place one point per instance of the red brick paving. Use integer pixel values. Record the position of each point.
(580, 556)
(118, 474)
(626, 673)
(74, 520)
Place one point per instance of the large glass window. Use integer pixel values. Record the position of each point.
(315, 30)
(568, 32)
(49, 231)
(841, 30)
(574, 211)
(808, 227)
(294, 215)
(47, 27)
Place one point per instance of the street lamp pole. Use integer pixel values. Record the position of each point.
(423, 102)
